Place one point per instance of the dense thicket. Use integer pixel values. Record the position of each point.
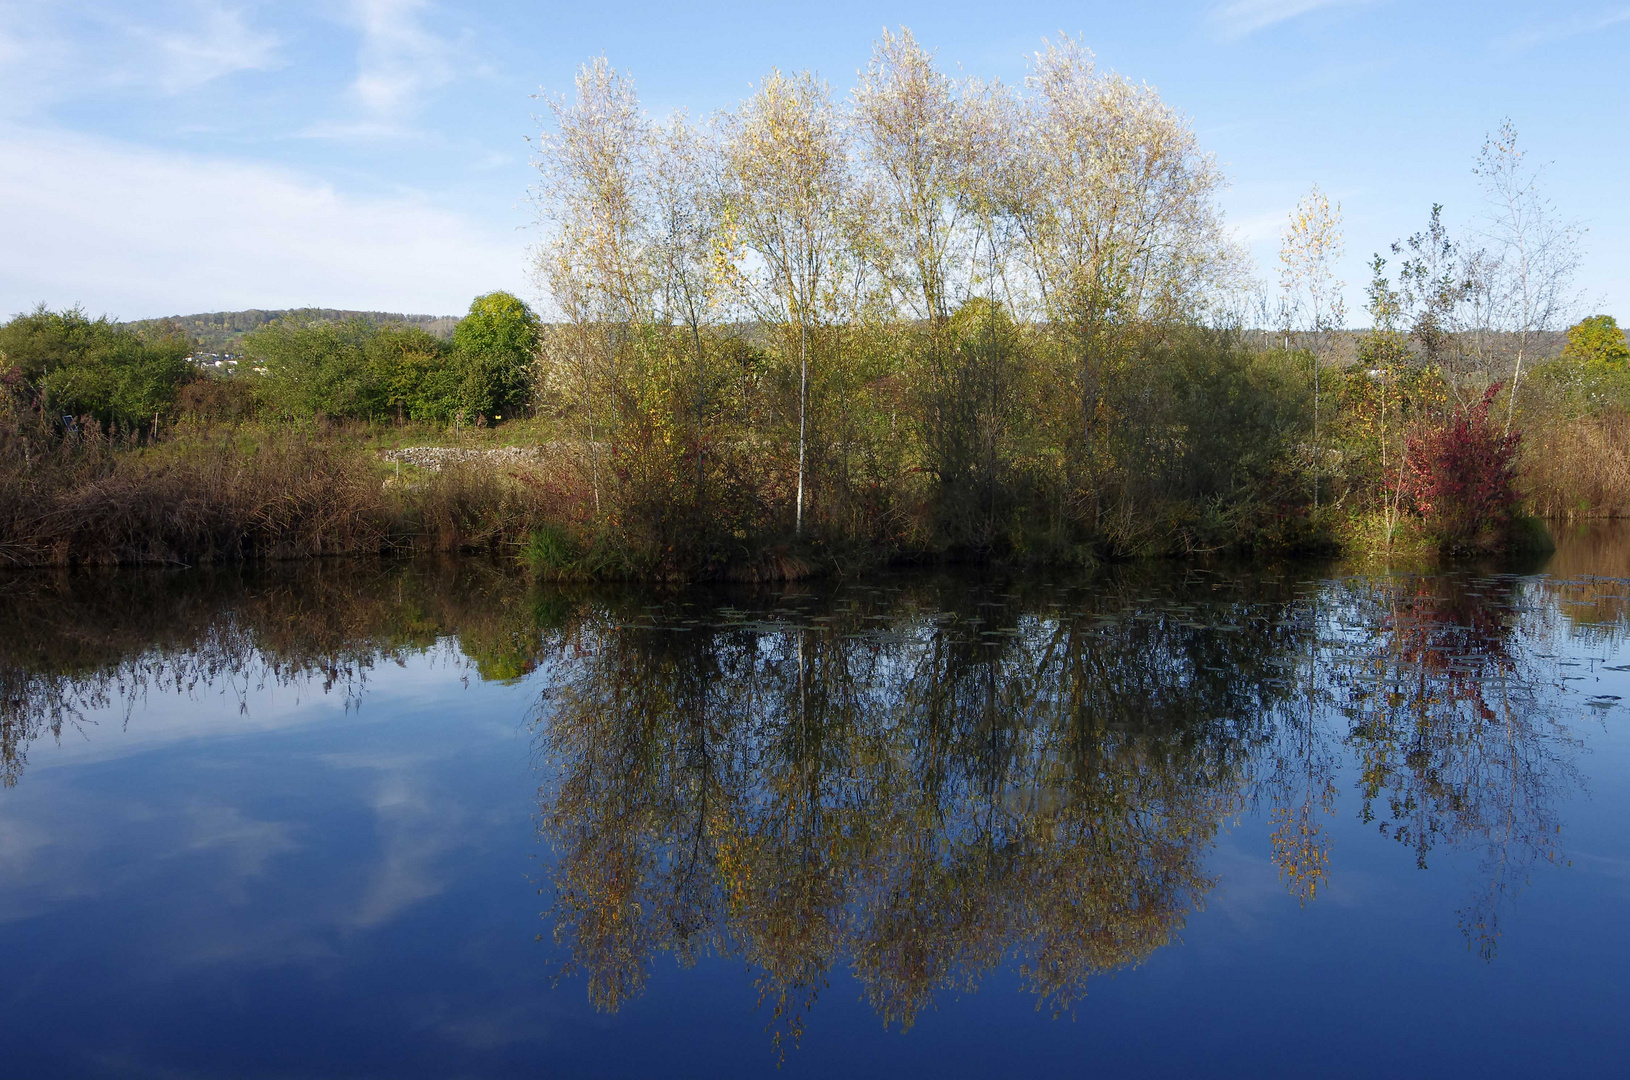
(946, 315)
(302, 366)
(85, 479)
(355, 369)
(83, 497)
(1576, 424)
(70, 365)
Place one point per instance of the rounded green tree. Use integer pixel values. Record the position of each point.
(496, 342)
(1597, 338)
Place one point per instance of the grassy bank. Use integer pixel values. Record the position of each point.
(221, 494)
(95, 499)
(965, 444)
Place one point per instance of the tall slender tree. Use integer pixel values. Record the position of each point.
(685, 186)
(1114, 201)
(914, 141)
(1535, 256)
(786, 171)
(1309, 249)
(594, 162)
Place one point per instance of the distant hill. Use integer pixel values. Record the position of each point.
(221, 331)
(1341, 346)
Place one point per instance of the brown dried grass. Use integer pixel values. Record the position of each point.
(92, 499)
(1579, 468)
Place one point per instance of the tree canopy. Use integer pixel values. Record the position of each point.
(496, 342)
(1597, 338)
(356, 369)
(67, 363)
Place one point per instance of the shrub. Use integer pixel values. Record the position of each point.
(319, 369)
(495, 343)
(414, 377)
(358, 370)
(1597, 339)
(217, 399)
(82, 498)
(549, 552)
(1461, 477)
(72, 365)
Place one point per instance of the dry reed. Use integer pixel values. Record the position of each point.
(87, 499)
(1579, 468)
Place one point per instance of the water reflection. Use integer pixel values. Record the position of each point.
(73, 645)
(924, 782)
(913, 783)
(1442, 692)
(927, 782)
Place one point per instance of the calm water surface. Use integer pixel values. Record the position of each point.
(431, 821)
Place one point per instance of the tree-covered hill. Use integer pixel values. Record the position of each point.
(223, 331)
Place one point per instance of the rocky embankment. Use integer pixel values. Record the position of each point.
(435, 458)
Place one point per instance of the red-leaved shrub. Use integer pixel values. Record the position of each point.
(1461, 477)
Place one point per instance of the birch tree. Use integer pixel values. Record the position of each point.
(594, 167)
(1536, 254)
(914, 140)
(786, 177)
(685, 192)
(593, 262)
(1309, 249)
(1114, 204)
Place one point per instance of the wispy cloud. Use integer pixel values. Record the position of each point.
(416, 829)
(192, 233)
(1242, 18)
(1561, 30)
(1259, 227)
(400, 59)
(51, 53)
(217, 41)
(359, 130)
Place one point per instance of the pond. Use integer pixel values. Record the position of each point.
(430, 820)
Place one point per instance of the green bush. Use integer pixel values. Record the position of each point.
(549, 552)
(72, 365)
(415, 376)
(319, 369)
(357, 370)
(495, 343)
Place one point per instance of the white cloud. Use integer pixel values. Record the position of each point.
(33, 56)
(139, 233)
(417, 827)
(1243, 18)
(1562, 30)
(1259, 227)
(217, 41)
(399, 59)
(49, 53)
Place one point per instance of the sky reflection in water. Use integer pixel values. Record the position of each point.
(430, 821)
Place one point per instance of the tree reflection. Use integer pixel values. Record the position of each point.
(77, 645)
(927, 783)
(1446, 714)
(913, 784)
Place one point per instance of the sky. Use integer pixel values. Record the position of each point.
(181, 156)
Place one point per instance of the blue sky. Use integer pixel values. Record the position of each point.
(190, 155)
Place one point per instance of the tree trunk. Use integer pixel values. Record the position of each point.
(803, 397)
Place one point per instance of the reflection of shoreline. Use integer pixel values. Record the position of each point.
(997, 782)
(73, 646)
(925, 777)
